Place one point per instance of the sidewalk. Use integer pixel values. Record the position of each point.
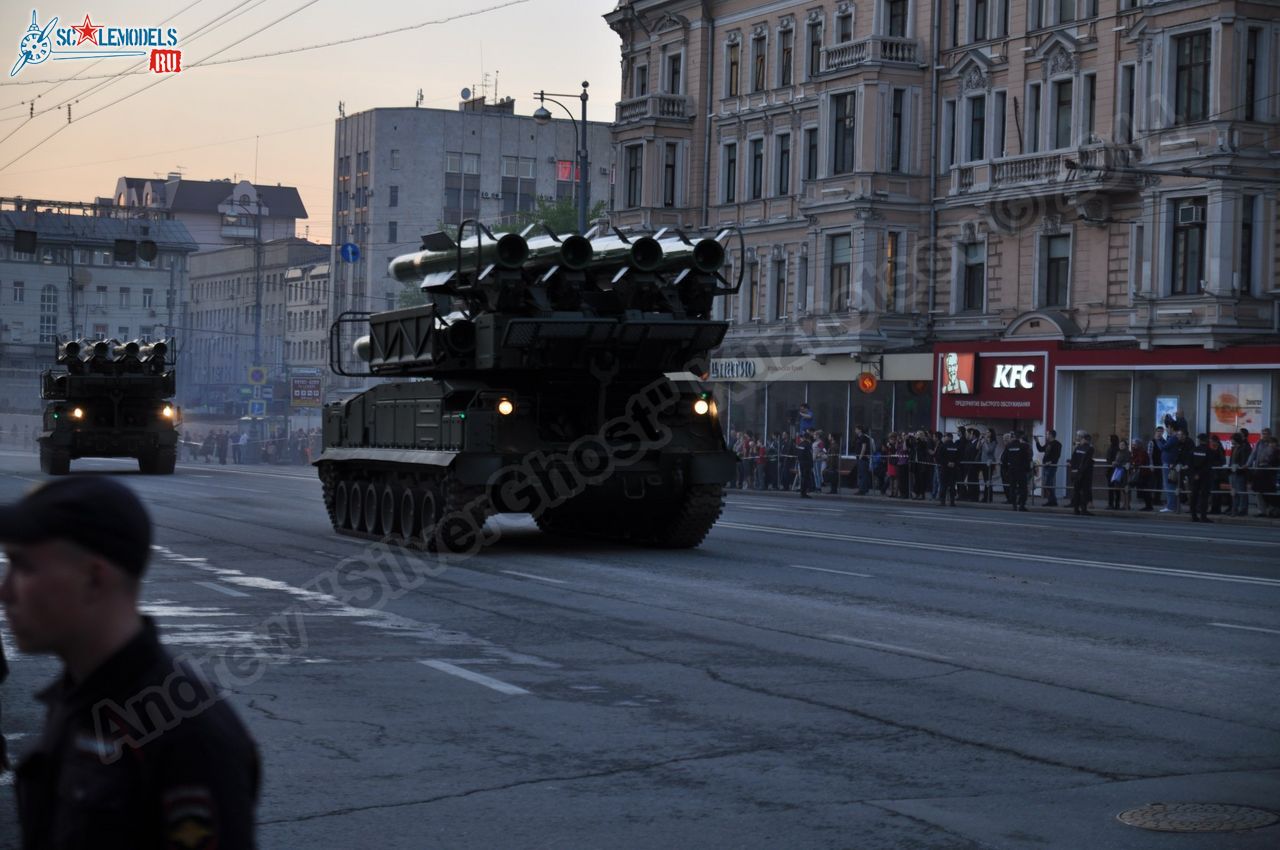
(848, 495)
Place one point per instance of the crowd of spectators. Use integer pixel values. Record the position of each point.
(219, 445)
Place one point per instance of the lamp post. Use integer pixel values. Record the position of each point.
(542, 116)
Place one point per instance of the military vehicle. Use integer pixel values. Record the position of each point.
(109, 399)
(546, 374)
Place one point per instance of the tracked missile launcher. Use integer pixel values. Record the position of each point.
(109, 399)
(546, 375)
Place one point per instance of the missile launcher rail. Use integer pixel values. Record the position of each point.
(528, 345)
(110, 399)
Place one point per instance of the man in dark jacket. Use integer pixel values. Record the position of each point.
(804, 460)
(1051, 451)
(1081, 466)
(1015, 468)
(948, 457)
(138, 751)
(1200, 466)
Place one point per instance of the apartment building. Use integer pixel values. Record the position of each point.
(306, 346)
(1081, 193)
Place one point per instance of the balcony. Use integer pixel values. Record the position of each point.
(877, 48)
(1089, 168)
(670, 107)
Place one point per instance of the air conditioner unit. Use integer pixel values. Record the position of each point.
(1190, 214)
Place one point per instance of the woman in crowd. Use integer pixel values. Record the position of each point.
(1118, 479)
(1140, 472)
(987, 462)
(1240, 452)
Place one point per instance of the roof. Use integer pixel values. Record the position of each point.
(89, 230)
(205, 195)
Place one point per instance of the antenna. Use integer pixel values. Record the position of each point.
(342, 109)
(418, 102)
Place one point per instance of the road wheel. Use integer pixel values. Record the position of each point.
(59, 462)
(355, 507)
(389, 509)
(340, 498)
(146, 463)
(371, 508)
(685, 527)
(428, 515)
(163, 462)
(408, 514)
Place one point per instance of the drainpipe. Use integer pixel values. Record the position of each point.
(934, 145)
(709, 61)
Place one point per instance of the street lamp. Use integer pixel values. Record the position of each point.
(542, 117)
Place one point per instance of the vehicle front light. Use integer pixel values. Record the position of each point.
(701, 407)
(506, 407)
(77, 413)
(167, 413)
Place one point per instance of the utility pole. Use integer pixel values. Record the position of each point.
(257, 285)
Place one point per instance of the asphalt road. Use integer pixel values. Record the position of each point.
(819, 674)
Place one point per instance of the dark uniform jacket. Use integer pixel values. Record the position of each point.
(141, 755)
(949, 457)
(1082, 460)
(1016, 459)
(1202, 459)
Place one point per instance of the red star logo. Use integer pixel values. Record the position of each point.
(88, 32)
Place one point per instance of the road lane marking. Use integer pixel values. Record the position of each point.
(215, 586)
(1012, 556)
(479, 678)
(906, 650)
(1058, 526)
(1232, 540)
(825, 570)
(1246, 628)
(739, 507)
(532, 576)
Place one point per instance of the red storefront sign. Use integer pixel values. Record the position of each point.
(992, 384)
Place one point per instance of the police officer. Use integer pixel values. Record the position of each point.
(804, 461)
(1081, 466)
(138, 751)
(1200, 463)
(1015, 468)
(949, 458)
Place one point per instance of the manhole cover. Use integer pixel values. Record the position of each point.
(1197, 817)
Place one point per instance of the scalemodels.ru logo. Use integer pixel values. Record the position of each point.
(49, 41)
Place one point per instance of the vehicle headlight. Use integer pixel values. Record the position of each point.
(702, 407)
(506, 406)
(77, 413)
(167, 412)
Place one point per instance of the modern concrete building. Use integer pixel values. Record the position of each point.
(60, 278)
(403, 172)
(1045, 176)
(306, 347)
(238, 317)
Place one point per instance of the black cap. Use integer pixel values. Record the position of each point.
(93, 512)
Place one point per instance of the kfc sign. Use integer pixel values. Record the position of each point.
(1011, 376)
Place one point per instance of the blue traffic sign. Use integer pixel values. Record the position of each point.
(350, 252)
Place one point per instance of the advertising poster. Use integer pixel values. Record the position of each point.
(957, 373)
(1235, 406)
(1166, 405)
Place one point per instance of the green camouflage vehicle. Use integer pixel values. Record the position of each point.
(547, 375)
(109, 399)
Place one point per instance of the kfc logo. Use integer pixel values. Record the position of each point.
(1012, 376)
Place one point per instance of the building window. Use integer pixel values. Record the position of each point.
(731, 76)
(1188, 246)
(840, 249)
(1090, 105)
(1247, 205)
(1062, 114)
(784, 163)
(998, 147)
(669, 175)
(897, 15)
(948, 133)
(786, 56)
(1057, 270)
(124, 296)
(673, 73)
(753, 291)
(757, 169)
(977, 128)
(48, 313)
(1251, 71)
(974, 282)
(102, 296)
(843, 135)
(779, 289)
(392, 232)
(730, 190)
(641, 81)
(1033, 118)
(395, 160)
(894, 273)
(896, 130)
(814, 64)
(844, 28)
(1191, 86)
(955, 23)
(802, 283)
(1125, 120)
(979, 10)
(148, 299)
(393, 196)
(757, 63)
(470, 164)
(634, 160)
(811, 153)
(19, 292)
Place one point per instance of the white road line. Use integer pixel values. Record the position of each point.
(1246, 628)
(825, 570)
(906, 650)
(1057, 526)
(737, 506)
(532, 576)
(479, 678)
(1012, 556)
(1231, 540)
(215, 586)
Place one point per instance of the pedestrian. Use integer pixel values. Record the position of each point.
(1170, 452)
(1175, 423)
(1015, 469)
(1118, 474)
(1259, 460)
(804, 419)
(1200, 469)
(210, 445)
(804, 461)
(1140, 472)
(862, 451)
(121, 763)
(987, 463)
(222, 447)
(1240, 453)
(949, 457)
(1219, 490)
(236, 453)
(1081, 466)
(818, 448)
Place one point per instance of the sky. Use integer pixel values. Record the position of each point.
(270, 119)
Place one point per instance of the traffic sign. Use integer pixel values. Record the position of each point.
(257, 375)
(257, 407)
(305, 392)
(268, 392)
(257, 391)
(350, 252)
(246, 392)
